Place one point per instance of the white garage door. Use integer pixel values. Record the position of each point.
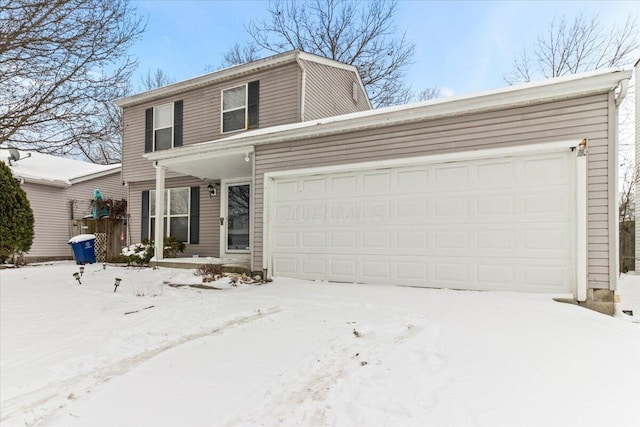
(490, 224)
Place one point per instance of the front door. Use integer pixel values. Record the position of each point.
(235, 220)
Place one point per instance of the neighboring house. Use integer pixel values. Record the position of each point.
(491, 191)
(60, 190)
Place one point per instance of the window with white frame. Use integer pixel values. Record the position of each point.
(176, 217)
(240, 107)
(163, 127)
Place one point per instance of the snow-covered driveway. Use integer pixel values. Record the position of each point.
(302, 353)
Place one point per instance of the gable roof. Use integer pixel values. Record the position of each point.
(231, 72)
(508, 97)
(45, 169)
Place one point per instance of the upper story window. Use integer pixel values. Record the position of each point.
(163, 127)
(240, 107)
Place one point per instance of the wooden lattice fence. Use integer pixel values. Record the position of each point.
(110, 235)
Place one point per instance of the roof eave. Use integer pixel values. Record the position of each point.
(99, 174)
(206, 79)
(513, 96)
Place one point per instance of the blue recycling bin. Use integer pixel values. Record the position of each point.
(83, 248)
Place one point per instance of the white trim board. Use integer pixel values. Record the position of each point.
(519, 150)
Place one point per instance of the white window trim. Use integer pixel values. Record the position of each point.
(246, 109)
(166, 127)
(169, 216)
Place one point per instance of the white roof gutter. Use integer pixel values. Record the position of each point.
(624, 87)
(42, 181)
(509, 97)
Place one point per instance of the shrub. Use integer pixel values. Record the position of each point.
(138, 253)
(141, 253)
(16, 216)
(209, 272)
(172, 246)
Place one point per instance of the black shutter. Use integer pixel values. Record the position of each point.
(252, 108)
(148, 130)
(177, 124)
(144, 234)
(194, 213)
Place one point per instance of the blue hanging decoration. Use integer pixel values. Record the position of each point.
(97, 212)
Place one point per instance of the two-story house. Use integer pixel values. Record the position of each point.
(210, 204)
(282, 162)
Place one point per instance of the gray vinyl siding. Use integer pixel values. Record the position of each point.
(110, 187)
(574, 119)
(52, 212)
(279, 104)
(209, 215)
(329, 91)
(51, 225)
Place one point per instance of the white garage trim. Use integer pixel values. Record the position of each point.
(580, 293)
(579, 232)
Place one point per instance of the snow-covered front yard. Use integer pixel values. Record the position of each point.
(299, 353)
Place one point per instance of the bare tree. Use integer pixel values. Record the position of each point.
(626, 213)
(241, 54)
(61, 64)
(573, 47)
(362, 34)
(155, 79)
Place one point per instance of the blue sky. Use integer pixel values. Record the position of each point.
(462, 47)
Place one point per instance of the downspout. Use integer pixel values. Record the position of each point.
(303, 88)
(624, 87)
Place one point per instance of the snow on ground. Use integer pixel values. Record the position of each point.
(629, 291)
(303, 353)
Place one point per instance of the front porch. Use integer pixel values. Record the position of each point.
(228, 176)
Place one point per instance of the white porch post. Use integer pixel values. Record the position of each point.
(159, 230)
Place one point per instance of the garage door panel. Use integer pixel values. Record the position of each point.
(313, 187)
(408, 180)
(484, 224)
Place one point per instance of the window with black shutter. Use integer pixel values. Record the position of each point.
(163, 127)
(240, 107)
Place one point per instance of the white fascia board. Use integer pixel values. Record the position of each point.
(195, 82)
(326, 61)
(509, 97)
(114, 169)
